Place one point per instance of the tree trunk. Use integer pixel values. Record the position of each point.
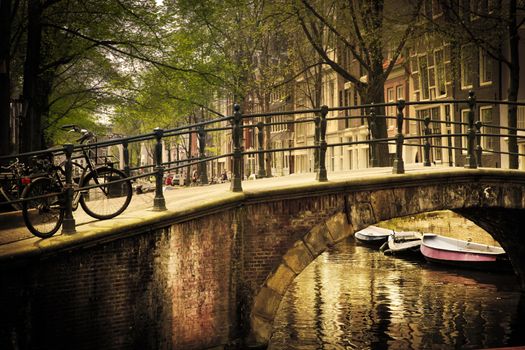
(374, 93)
(30, 129)
(514, 84)
(5, 81)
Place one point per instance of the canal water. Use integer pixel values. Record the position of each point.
(354, 297)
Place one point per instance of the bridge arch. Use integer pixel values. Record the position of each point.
(495, 205)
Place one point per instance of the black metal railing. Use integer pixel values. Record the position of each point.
(475, 134)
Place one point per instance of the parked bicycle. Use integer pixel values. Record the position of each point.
(101, 190)
(13, 178)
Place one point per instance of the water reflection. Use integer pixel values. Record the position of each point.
(355, 298)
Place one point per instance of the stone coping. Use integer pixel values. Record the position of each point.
(218, 199)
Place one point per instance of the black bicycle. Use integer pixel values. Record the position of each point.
(102, 191)
(13, 179)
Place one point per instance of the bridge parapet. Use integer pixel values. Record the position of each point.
(470, 154)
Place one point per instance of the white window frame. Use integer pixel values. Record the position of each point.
(463, 67)
(484, 59)
(415, 75)
(487, 140)
(423, 71)
(520, 117)
(390, 97)
(440, 67)
(464, 129)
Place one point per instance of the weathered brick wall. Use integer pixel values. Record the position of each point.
(87, 299)
(270, 229)
(199, 277)
(169, 289)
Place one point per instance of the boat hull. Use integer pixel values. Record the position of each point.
(462, 257)
(403, 243)
(375, 241)
(372, 235)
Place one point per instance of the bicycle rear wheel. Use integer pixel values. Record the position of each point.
(106, 201)
(42, 216)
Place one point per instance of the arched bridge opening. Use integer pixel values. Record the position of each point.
(495, 204)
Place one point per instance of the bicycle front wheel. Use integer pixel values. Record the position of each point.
(42, 216)
(107, 200)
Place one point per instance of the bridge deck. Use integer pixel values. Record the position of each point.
(183, 203)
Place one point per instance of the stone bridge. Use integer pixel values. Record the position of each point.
(212, 270)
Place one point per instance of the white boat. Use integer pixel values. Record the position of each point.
(373, 235)
(403, 242)
(450, 251)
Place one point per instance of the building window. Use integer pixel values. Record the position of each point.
(332, 158)
(464, 129)
(521, 117)
(488, 142)
(485, 68)
(400, 91)
(448, 64)
(341, 152)
(440, 72)
(347, 95)
(423, 65)
(431, 77)
(435, 129)
(390, 110)
(467, 66)
(331, 88)
(414, 69)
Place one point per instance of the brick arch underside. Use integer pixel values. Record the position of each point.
(357, 210)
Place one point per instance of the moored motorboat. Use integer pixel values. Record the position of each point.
(451, 251)
(403, 242)
(373, 235)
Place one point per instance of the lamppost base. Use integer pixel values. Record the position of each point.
(159, 204)
(68, 226)
(236, 185)
(398, 167)
(321, 176)
(470, 163)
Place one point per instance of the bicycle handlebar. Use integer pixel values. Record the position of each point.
(86, 134)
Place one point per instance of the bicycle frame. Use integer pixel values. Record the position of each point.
(87, 169)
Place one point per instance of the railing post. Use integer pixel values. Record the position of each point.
(470, 160)
(426, 147)
(125, 155)
(399, 165)
(321, 174)
(177, 170)
(260, 138)
(317, 132)
(203, 174)
(189, 158)
(374, 161)
(449, 140)
(159, 203)
(68, 225)
(236, 185)
(479, 149)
